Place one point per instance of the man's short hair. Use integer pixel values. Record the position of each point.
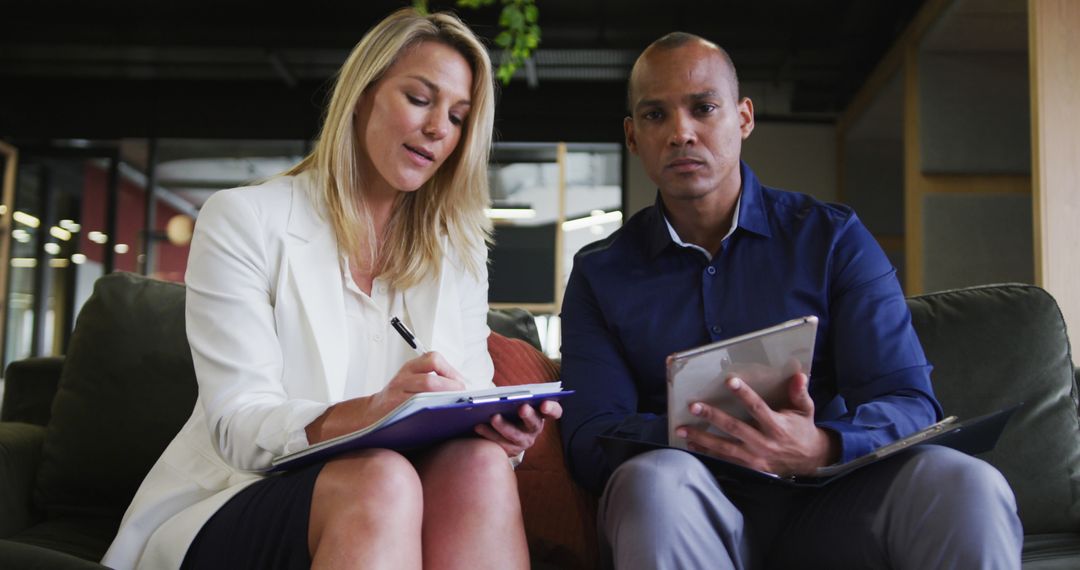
(676, 40)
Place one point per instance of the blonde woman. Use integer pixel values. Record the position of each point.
(291, 288)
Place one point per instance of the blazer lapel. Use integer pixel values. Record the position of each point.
(422, 301)
(313, 259)
(431, 303)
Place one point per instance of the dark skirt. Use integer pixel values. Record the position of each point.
(263, 526)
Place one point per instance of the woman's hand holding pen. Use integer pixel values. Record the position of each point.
(513, 436)
(517, 436)
(429, 372)
(426, 373)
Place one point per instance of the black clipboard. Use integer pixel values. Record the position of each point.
(972, 436)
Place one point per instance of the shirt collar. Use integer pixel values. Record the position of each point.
(749, 215)
(708, 254)
(752, 216)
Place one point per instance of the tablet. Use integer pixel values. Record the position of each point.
(765, 359)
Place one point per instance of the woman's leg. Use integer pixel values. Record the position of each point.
(472, 514)
(366, 512)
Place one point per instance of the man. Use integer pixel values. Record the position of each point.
(720, 255)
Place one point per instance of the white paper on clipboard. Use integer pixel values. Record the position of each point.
(765, 359)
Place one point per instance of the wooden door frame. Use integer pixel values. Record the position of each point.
(10, 155)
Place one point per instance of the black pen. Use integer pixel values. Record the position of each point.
(409, 337)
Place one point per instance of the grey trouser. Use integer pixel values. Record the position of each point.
(929, 507)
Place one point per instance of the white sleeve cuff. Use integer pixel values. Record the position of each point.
(296, 438)
(517, 459)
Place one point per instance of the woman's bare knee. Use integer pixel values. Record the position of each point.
(371, 477)
(368, 490)
(470, 496)
(468, 466)
(486, 455)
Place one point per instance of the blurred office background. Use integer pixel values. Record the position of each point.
(119, 119)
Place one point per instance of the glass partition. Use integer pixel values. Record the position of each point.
(186, 172)
(79, 209)
(548, 201)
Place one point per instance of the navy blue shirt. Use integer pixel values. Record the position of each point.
(637, 296)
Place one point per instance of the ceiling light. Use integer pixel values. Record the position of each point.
(26, 219)
(592, 220)
(59, 233)
(52, 248)
(510, 213)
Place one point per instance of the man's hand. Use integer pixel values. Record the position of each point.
(785, 442)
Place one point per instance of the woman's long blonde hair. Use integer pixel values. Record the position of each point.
(452, 202)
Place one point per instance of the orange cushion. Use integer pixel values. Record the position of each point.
(560, 517)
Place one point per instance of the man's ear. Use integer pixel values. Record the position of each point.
(628, 130)
(746, 117)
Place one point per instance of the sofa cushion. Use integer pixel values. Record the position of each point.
(83, 537)
(560, 517)
(994, 346)
(29, 388)
(514, 323)
(1059, 551)
(126, 388)
(30, 557)
(20, 454)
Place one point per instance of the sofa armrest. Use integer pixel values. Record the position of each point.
(29, 388)
(20, 455)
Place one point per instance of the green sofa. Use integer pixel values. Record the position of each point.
(77, 434)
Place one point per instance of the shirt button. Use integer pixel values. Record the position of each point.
(377, 338)
(711, 270)
(716, 329)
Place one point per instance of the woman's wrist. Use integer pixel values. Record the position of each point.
(339, 419)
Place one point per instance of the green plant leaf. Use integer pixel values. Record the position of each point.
(506, 71)
(519, 34)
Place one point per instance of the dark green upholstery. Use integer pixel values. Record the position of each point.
(30, 386)
(992, 347)
(1056, 551)
(127, 386)
(30, 557)
(514, 323)
(20, 454)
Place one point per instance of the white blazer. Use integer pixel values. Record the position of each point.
(266, 323)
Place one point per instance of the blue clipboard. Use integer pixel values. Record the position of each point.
(424, 427)
(972, 436)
